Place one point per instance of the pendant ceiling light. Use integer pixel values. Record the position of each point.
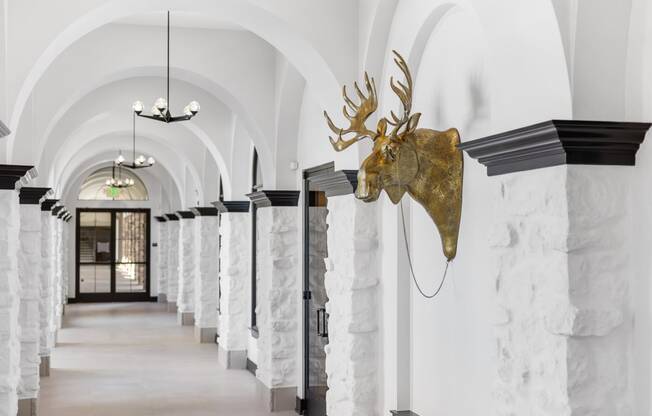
(161, 108)
(118, 181)
(139, 162)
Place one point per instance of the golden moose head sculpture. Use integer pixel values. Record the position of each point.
(424, 163)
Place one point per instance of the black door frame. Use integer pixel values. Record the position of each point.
(114, 297)
(308, 176)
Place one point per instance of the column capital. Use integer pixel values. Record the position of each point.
(558, 142)
(231, 206)
(33, 196)
(57, 210)
(185, 214)
(160, 218)
(204, 211)
(15, 176)
(171, 216)
(274, 198)
(335, 183)
(48, 204)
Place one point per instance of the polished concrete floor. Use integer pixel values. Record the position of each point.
(134, 360)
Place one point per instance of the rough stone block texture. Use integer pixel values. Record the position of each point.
(9, 303)
(206, 285)
(173, 261)
(188, 264)
(277, 295)
(318, 252)
(561, 280)
(235, 259)
(163, 242)
(29, 270)
(352, 307)
(46, 309)
(58, 275)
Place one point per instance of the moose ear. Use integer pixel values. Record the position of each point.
(395, 192)
(381, 130)
(412, 123)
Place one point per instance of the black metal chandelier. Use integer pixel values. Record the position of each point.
(139, 162)
(161, 108)
(118, 181)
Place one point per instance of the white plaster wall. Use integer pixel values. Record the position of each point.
(235, 258)
(29, 273)
(188, 264)
(277, 256)
(206, 285)
(9, 303)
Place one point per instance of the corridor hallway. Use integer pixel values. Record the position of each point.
(135, 360)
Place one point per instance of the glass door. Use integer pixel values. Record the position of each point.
(112, 255)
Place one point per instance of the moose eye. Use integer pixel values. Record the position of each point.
(389, 153)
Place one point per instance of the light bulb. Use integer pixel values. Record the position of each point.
(120, 159)
(151, 161)
(138, 106)
(186, 111)
(194, 107)
(108, 182)
(119, 183)
(156, 112)
(161, 104)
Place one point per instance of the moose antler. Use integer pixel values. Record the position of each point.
(361, 112)
(404, 93)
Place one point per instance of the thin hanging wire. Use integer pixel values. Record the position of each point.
(409, 257)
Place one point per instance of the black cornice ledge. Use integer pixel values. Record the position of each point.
(15, 176)
(48, 204)
(339, 182)
(185, 214)
(204, 211)
(171, 217)
(274, 198)
(231, 206)
(4, 130)
(33, 196)
(57, 210)
(559, 142)
(161, 219)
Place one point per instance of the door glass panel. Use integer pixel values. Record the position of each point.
(95, 237)
(131, 251)
(94, 279)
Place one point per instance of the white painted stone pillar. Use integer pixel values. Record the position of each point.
(206, 284)
(162, 259)
(188, 264)
(352, 278)
(173, 261)
(277, 250)
(235, 273)
(46, 310)
(29, 273)
(565, 241)
(58, 276)
(10, 301)
(563, 322)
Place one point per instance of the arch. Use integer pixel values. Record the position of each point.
(102, 145)
(94, 186)
(253, 18)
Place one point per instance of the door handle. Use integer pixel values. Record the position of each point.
(322, 323)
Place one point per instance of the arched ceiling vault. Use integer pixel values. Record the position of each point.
(304, 49)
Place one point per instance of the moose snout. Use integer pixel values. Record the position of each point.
(366, 191)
